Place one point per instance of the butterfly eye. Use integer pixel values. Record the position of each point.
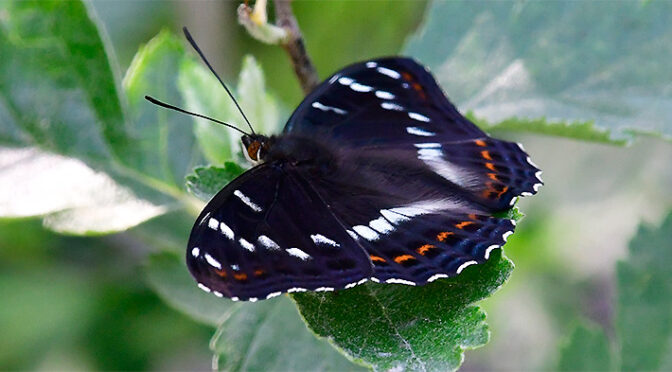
(254, 150)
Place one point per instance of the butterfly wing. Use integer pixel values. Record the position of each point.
(269, 232)
(394, 106)
(413, 230)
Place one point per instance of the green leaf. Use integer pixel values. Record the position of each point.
(59, 93)
(260, 107)
(57, 88)
(270, 336)
(203, 94)
(601, 62)
(168, 275)
(644, 307)
(408, 328)
(587, 350)
(205, 182)
(583, 131)
(166, 149)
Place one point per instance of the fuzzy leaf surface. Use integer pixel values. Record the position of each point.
(507, 59)
(399, 327)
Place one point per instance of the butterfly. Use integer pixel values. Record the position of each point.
(376, 176)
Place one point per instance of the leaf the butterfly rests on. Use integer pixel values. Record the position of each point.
(376, 176)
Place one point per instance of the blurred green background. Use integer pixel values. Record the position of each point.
(84, 303)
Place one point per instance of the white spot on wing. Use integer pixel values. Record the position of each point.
(292, 290)
(325, 108)
(391, 106)
(321, 239)
(371, 64)
(203, 287)
(531, 162)
(218, 294)
(347, 286)
(435, 277)
(195, 251)
(384, 95)
(345, 80)
(235, 267)
(506, 235)
(381, 225)
(489, 249)
(465, 265)
(226, 230)
(419, 132)
(433, 157)
(375, 280)
(323, 289)
(538, 175)
(352, 234)
(273, 294)
(268, 242)
(247, 201)
(418, 117)
(357, 87)
(235, 299)
(399, 281)
(391, 73)
(333, 78)
(526, 193)
(212, 261)
(393, 217)
(213, 223)
(296, 252)
(432, 145)
(252, 299)
(366, 232)
(247, 245)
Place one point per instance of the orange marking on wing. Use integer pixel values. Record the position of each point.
(480, 143)
(241, 276)
(443, 235)
(499, 194)
(403, 258)
(407, 76)
(422, 250)
(221, 273)
(377, 258)
(491, 166)
(486, 154)
(463, 224)
(258, 272)
(472, 216)
(493, 176)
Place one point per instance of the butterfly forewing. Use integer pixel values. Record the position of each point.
(394, 105)
(267, 233)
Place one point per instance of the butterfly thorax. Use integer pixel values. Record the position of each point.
(299, 151)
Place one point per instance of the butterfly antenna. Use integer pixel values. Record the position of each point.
(200, 53)
(169, 106)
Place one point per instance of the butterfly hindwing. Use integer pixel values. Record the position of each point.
(268, 232)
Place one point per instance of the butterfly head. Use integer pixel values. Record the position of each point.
(255, 147)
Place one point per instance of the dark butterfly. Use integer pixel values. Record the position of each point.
(376, 176)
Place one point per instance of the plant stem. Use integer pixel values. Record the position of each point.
(295, 47)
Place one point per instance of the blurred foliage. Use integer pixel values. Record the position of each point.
(78, 303)
(83, 299)
(644, 306)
